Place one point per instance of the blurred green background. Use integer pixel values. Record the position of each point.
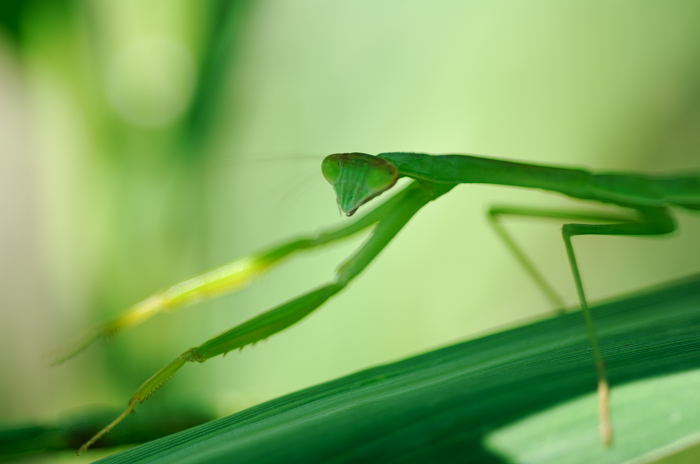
(144, 142)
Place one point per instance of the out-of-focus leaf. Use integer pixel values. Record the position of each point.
(72, 431)
(14, 14)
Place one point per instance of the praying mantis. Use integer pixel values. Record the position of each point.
(645, 202)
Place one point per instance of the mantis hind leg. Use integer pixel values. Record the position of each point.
(646, 221)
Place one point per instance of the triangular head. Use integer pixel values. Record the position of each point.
(357, 178)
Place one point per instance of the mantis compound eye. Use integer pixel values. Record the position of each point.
(330, 167)
(357, 178)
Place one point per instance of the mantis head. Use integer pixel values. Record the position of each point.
(357, 178)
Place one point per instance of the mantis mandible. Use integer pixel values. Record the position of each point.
(357, 178)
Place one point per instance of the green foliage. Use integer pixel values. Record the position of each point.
(68, 433)
(521, 395)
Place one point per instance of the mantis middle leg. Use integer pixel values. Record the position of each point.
(495, 213)
(648, 221)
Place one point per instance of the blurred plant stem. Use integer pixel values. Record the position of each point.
(140, 190)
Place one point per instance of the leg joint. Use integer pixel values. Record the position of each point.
(193, 355)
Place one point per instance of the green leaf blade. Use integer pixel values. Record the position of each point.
(521, 395)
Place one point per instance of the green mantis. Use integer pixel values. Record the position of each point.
(357, 178)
